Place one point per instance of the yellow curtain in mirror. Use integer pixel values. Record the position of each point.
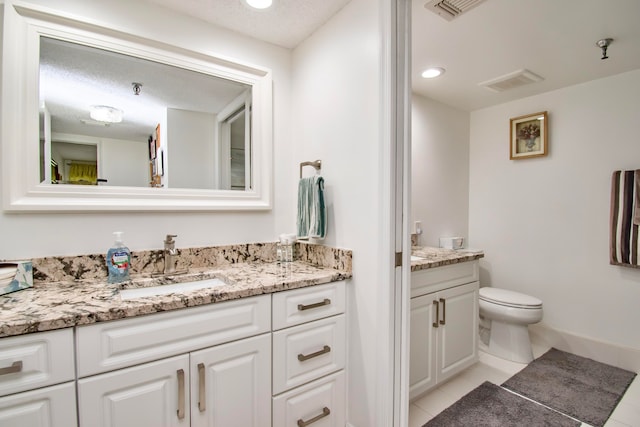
(82, 173)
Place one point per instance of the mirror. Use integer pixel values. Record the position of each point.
(183, 130)
(76, 79)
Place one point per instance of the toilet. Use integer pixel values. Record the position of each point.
(509, 314)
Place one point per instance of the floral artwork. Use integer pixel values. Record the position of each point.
(529, 136)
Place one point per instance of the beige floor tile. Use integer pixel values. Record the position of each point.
(418, 416)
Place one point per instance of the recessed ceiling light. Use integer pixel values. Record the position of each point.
(259, 4)
(432, 72)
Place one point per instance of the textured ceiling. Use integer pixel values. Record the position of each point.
(286, 23)
(74, 77)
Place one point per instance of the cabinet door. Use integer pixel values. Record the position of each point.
(148, 395)
(53, 406)
(422, 345)
(458, 337)
(231, 384)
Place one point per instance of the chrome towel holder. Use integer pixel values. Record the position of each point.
(317, 165)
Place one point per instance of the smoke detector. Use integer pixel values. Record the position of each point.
(511, 81)
(449, 9)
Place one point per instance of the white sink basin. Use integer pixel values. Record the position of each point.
(134, 293)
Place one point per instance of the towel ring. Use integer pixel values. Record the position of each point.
(317, 165)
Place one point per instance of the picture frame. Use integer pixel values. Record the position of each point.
(528, 136)
(152, 148)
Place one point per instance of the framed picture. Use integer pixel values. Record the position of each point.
(152, 148)
(528, 136)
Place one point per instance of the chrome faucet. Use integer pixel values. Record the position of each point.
(170, 253)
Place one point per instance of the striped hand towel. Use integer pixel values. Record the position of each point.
(312, 213)
(625, 218)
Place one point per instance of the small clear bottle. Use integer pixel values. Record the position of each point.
(284, 248)
(118, 260)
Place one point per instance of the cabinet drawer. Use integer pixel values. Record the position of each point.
(305, 352)
(53, 406)
(438, 278)
(318, 404)
(107, 346)
(36, 360)
(292, 308)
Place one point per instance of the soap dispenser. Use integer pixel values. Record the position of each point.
(118, 260)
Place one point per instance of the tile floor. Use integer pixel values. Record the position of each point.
(495, 370)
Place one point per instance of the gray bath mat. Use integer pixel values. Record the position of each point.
(582, 388)
(492, 406)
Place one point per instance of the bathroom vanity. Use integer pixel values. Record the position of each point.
(444, 315)
(266, 348)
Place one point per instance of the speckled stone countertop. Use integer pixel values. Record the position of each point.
(73, 299)
(437, 257)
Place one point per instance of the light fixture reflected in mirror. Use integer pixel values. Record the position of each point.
(259, 4)
(433, 72)
(106, 114)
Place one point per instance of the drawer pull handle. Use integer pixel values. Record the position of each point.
(181, 397)
(202, 393)
(444, 311)
(325, 413)
(15, 367)
(302, 307)
(435, 324)
(303, 357)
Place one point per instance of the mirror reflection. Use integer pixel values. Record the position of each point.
(112, 119)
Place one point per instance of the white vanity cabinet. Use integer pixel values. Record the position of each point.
(309, 355)
(206, 366)
(444, 324)
(37, 376)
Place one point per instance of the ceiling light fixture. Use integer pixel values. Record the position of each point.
(106, 114)
(432, 72)
(259, 4)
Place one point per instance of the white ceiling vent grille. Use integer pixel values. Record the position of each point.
(449, 9)
(511, 81)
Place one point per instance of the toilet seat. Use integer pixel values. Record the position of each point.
(508, 298)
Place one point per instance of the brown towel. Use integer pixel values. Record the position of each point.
(636, 206)
(625, 196)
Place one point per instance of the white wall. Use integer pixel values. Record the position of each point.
(190, 149)
(336, 92)
(440, 170)
(35, 235)
(543, 222)
(124, 162)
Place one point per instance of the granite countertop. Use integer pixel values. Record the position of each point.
(437, 257)
(56, 304)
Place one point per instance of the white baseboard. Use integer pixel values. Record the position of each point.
(601, 351)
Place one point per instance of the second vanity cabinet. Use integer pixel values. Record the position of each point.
(444, 324)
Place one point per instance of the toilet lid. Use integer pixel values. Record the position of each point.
(509, 298)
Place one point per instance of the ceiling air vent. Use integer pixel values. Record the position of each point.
(511, 81)
(449, 9)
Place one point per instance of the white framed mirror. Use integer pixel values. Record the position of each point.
(174, 148)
